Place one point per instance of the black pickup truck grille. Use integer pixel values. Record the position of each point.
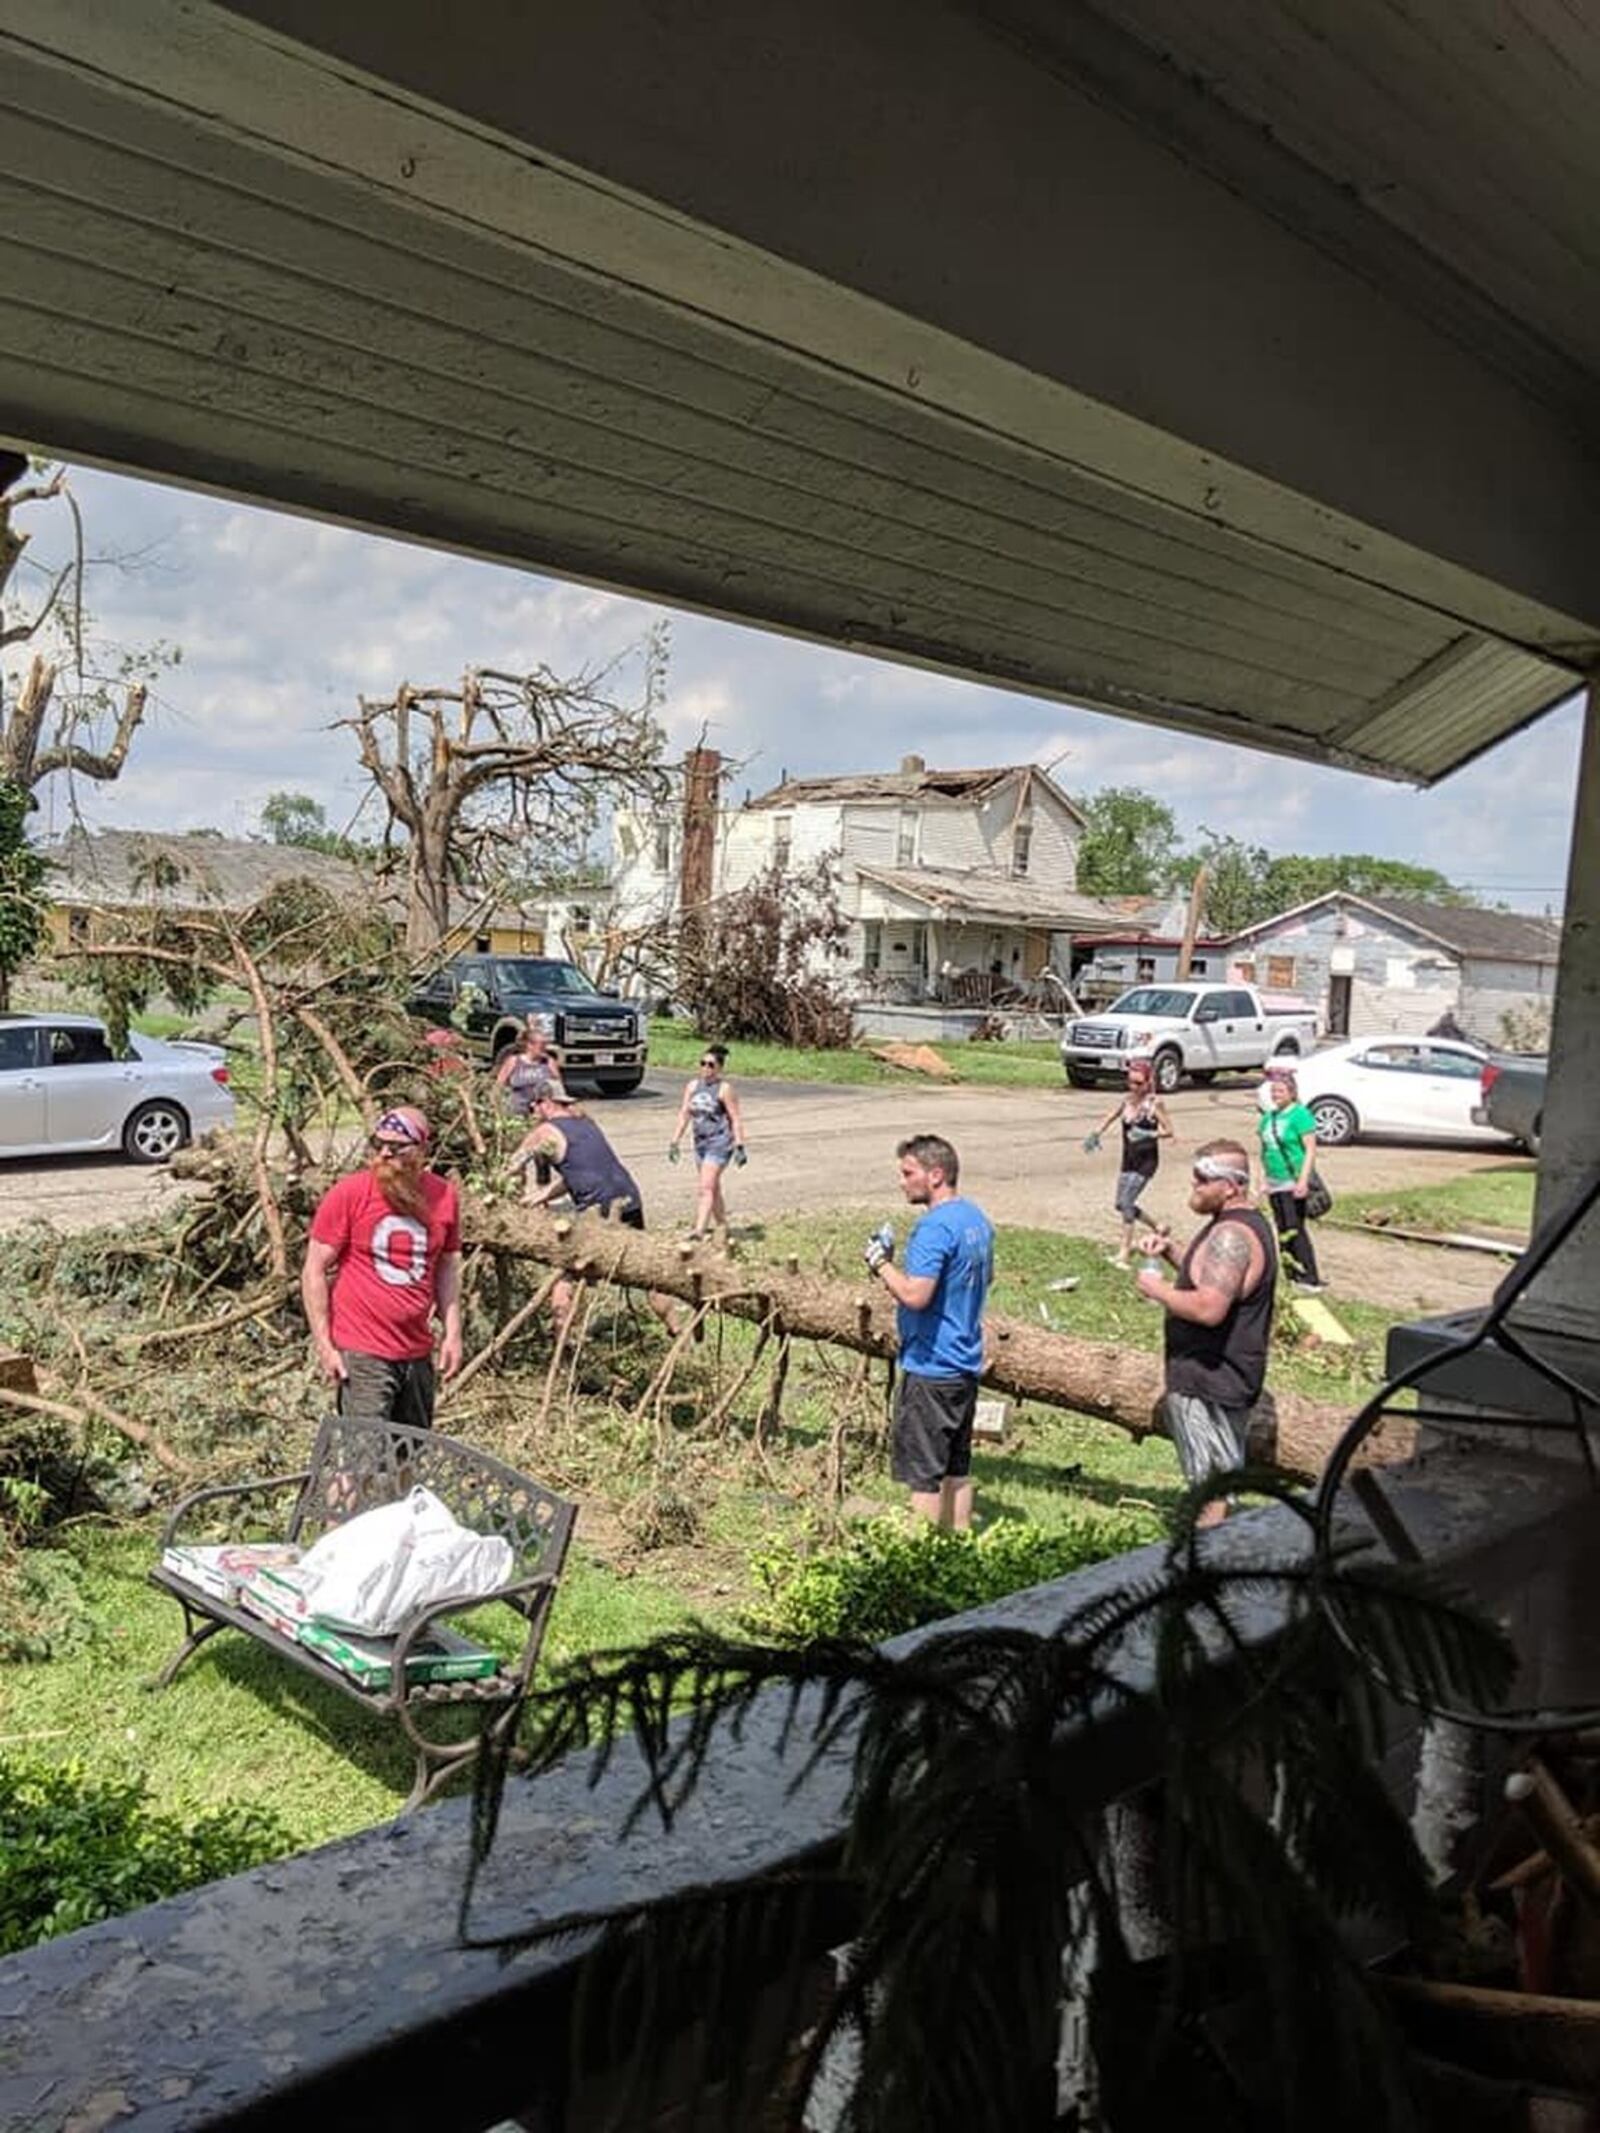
(593, 1028)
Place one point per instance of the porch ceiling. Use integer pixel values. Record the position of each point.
(1232, 371)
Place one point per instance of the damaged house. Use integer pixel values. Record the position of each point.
(957, 885)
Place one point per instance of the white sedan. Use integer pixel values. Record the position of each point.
(63, 1091)
(1419, 1088)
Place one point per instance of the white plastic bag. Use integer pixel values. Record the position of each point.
(373, 1571)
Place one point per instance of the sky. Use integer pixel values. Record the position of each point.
(284, 622)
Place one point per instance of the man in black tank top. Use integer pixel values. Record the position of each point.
(1219, 1318)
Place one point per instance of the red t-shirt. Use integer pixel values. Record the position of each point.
(383, 1287)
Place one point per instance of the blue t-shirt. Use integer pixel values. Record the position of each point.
(955, 1242)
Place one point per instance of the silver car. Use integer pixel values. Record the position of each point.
(64, 1091)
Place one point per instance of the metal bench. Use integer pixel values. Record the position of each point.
(355, 1466)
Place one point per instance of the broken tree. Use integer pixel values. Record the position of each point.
(1112, 1384)
(505, 772)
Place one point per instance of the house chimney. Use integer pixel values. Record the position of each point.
(702, 779)
(912, 766)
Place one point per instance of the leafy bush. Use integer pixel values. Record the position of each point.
(74, 1849)
(756, 965)
(886, 1576)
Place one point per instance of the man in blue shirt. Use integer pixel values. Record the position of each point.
(941, 1294)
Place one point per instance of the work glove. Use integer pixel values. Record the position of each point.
(879, 1247)
(741, 1156)
(1091, 1142)
(673, 1151)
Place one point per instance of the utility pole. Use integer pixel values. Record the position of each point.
(1191, 923)
(702, 780)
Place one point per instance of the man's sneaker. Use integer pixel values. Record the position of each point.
(1310, 1288)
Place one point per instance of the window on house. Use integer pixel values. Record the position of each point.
(1280, 973)
(782, 839)
(77, 927)
(664, 846)
(905, 851)
(1199, 967)
(1021, 842)
(871, 944)
(1144, 969)
(1246, 972)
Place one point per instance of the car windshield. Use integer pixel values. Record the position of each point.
(1154, 1000)
(525, 973)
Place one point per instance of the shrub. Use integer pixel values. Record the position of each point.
(756, 965)
(74, 1849)
(887, 1576)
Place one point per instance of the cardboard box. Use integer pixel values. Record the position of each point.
(221, 1570)
(278, 1596)
(440, 1656)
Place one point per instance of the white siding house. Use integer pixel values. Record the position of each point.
(1371, 964)
(952, 880)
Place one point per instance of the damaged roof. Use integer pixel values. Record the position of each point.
(965, 895)
(912, 781)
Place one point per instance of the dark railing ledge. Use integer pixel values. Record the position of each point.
(329, 1988)
(1491, 1377)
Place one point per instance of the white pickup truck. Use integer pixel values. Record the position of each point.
(1198, 1030)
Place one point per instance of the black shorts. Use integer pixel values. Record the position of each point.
(381, 1388)
(932, 1430)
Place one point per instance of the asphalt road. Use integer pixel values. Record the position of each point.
(816, 1147)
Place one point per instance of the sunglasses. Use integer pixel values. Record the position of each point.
(383, 1147)
(711, 1062)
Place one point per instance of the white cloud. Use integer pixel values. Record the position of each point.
(284, 622)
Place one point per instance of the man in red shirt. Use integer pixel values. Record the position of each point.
(384, 1255)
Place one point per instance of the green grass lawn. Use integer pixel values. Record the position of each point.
(239, 1725)
(1019, 1066)
(1498, 1199)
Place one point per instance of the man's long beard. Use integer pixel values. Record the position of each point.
(401, 1189)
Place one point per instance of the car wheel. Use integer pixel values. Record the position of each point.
(155, 1133)
(1078, 1079)
(1532, 1138)
(1287, 1050)
(1166, 1071)
(624, 1086)
(1336, 1121)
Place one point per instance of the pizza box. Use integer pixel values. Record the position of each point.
(278, 1596)
(221, 1570)
(441, 1655)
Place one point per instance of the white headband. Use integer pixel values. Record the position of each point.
(1215, 1171)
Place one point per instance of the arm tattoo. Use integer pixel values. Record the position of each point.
(1225, 1260)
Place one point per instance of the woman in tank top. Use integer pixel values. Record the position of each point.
(524, 1069)
(1145, 1125)
(711, 1108)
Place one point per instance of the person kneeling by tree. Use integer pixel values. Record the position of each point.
(573, 1156)
(941, 1294)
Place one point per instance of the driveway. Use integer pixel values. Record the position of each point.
(814, 1147)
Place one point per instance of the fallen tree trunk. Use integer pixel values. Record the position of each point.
(1118, 1385)
(1028, 1362)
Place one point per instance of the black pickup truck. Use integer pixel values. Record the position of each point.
(602, 1039)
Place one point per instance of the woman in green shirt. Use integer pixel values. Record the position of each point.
(1288, 1152)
